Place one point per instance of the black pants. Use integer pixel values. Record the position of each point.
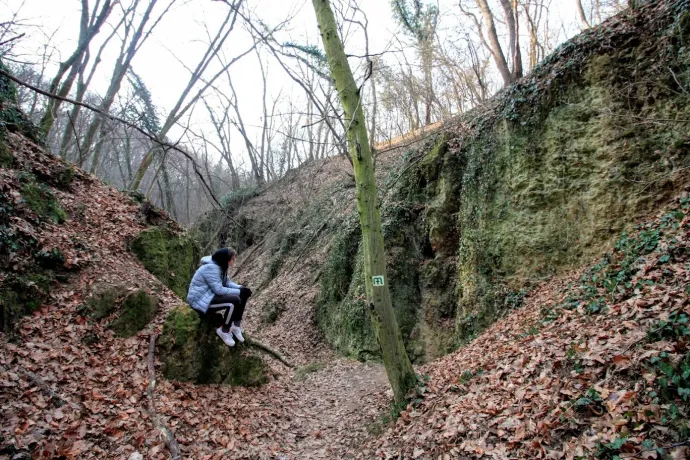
(225, 304)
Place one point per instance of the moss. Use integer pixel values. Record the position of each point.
(51, 260)
(272, 312)
(545, 194)
(135, 195)
(287, 242)
(233, 200)
(42, 201)
(303, 372)
(169, 257)
(64, 175)
(102, 301)
(11, 117)
(432, 162)
(337, 274)
(191, 351)
(341, 312)
(6, 157)
(138, 309)
(21, 295)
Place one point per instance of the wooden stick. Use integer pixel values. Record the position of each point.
(256, 344)
(168, 437)
(55, 398)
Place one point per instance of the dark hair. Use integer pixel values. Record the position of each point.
(222, 258)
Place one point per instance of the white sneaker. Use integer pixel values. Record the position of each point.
(237, 332)
(226, 337)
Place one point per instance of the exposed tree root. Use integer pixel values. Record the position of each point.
(168, 436)
(256, 344)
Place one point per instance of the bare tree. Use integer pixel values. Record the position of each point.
(592, 12)
(89, 27)
(420, 20)
(397, 363)
(223, 133)
(534, 15)
(139, 34)
(83, 83)
(509, 64)
(185, 102)
(583, 16)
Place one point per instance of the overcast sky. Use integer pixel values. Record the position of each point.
(182, 35)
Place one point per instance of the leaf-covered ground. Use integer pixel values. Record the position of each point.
(71, 389)
(595, 365)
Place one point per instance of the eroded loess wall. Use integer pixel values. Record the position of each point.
(538, 182)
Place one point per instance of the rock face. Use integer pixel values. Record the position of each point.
(537, 182)
(191, 351)
(137, 310)
(170, 257)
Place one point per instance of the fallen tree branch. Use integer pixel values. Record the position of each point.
(56, 399)
(168, 437)
(246, 257)
(256, 344)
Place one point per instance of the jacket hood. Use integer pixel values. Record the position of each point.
(206, 260)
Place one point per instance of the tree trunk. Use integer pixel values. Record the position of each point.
(511, 14)
(178, 110)
(495, 48)
(426, 49)
(121, 66)
(583, 16)
(86, 35)
(398, 367)
(517, 52)
(82, 85)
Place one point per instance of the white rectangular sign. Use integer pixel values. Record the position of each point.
(378, 281)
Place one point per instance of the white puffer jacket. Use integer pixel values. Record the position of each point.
(206, 284)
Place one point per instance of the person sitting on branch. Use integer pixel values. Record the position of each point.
(211, 291)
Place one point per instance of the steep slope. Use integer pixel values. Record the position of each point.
(535, 183)
(595, 365)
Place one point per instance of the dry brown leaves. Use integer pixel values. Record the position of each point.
(90, 400)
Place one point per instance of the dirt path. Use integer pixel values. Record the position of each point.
(339, 407)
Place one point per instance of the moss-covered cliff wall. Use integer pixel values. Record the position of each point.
(537, 181)
(170, 256)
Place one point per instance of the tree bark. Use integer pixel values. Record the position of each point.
(82, 85)
(511, 14)
(179, 110)
(398, 367)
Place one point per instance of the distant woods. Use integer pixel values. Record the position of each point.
(446, 58)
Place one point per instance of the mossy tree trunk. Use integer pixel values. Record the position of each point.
(398, 367)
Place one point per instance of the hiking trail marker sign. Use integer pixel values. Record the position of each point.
(378, 281)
